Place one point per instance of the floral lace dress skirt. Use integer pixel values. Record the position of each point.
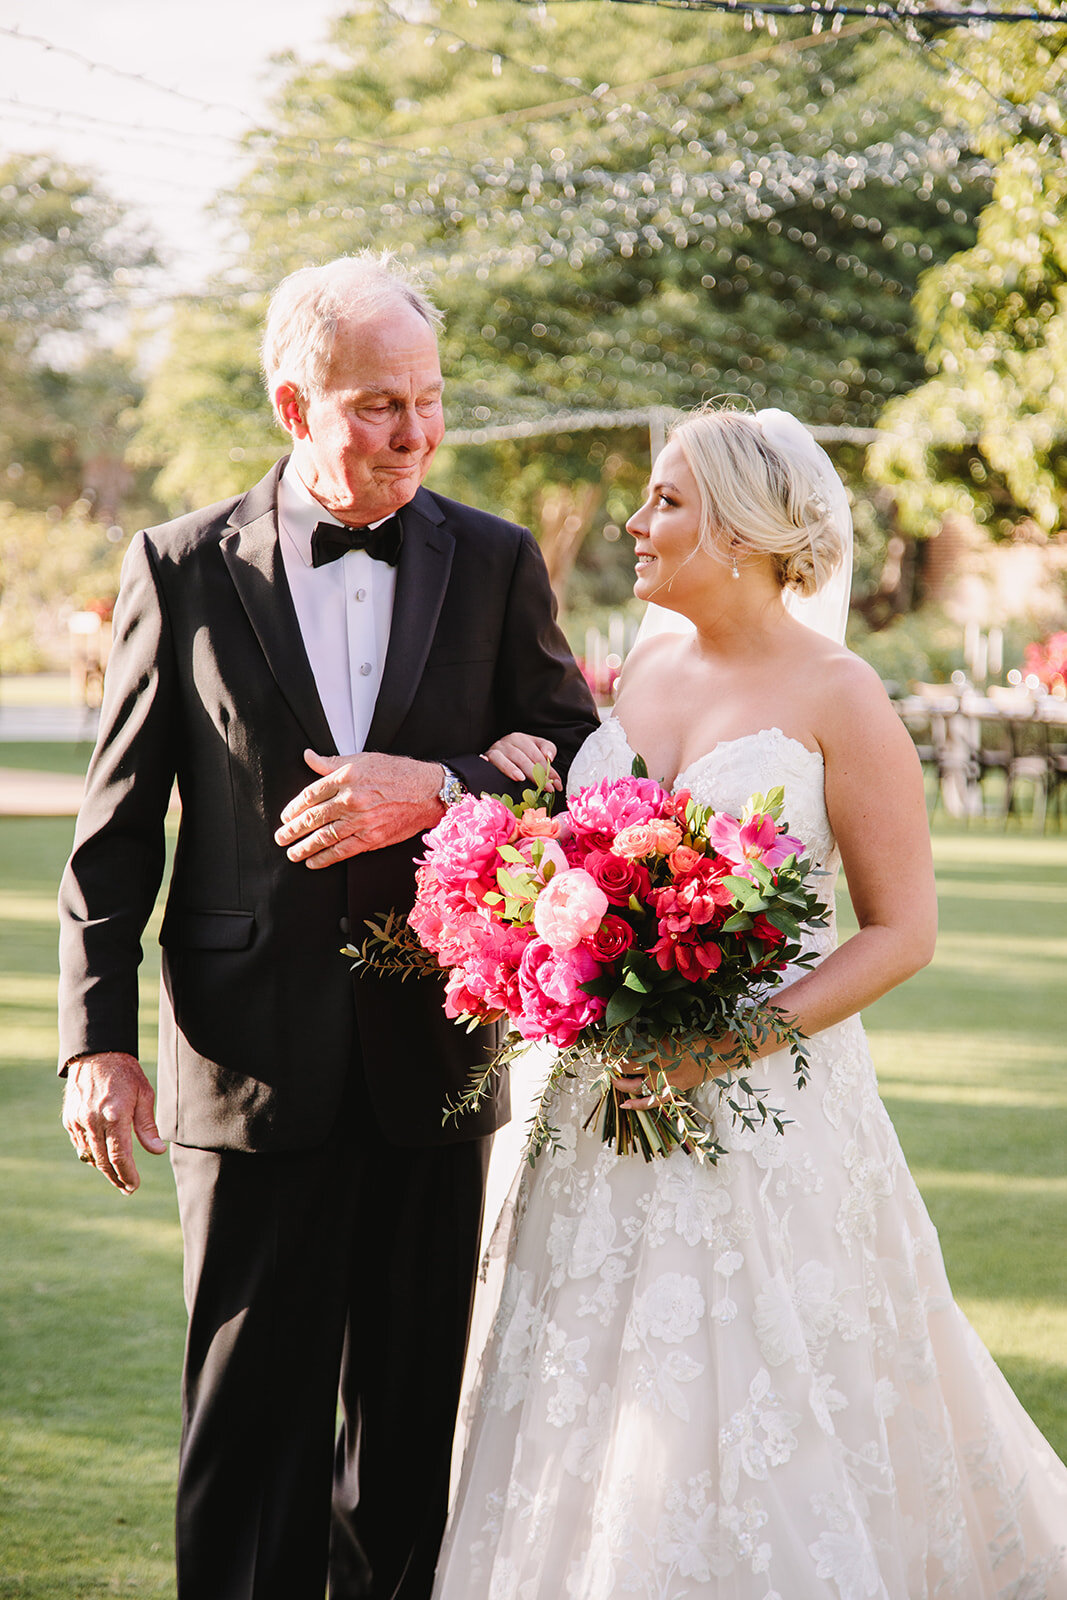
(746, 1381)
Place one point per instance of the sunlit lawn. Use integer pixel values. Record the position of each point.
(972, 1061)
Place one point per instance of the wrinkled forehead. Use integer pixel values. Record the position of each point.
(390, 347)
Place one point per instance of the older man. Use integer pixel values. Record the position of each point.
(340, 617)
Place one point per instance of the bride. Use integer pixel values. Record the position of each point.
(749, 1381)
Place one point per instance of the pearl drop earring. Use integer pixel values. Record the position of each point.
(733, 570)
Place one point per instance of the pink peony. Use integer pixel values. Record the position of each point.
(555, 1006)
(486, 983)
(447, 921)
(551, 852)
(464, 847)
(620, 879)
(599, 812)
(569, 908)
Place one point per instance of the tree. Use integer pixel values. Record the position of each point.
(987, 432)
(68, 262)
(732, 215)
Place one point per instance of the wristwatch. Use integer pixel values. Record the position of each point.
(452, 789)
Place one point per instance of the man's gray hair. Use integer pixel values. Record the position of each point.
(308, 306)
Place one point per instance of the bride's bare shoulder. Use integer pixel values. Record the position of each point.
(851, 702)
(647, 661)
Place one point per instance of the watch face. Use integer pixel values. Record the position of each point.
(451, 790)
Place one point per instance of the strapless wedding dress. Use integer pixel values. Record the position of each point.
(747, 1381)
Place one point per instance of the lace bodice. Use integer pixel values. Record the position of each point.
(726, 777)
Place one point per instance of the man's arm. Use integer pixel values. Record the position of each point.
(539, 688)
(110, 884)
(365, 802)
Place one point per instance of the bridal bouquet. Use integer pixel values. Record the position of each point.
(636, 926)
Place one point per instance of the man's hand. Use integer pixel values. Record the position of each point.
(106, 1096)
(359, 803)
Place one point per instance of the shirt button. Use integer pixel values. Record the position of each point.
(365, 670)
(361, 594)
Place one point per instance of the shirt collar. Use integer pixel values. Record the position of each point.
(299, 513)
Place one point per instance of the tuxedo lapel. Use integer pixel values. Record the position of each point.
(421, 581)
(254, 561)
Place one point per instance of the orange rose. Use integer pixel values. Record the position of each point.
(537, 824)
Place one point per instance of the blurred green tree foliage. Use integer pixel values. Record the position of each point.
(69, 264)
(612, 217)
(68, 261)
(987, 432)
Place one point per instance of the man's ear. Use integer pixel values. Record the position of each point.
(290, 410)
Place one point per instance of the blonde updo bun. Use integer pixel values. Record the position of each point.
(758, 498)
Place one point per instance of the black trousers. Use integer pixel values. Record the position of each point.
(344, 1274)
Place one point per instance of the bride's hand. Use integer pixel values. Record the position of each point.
(658, 1083)
(517, 754)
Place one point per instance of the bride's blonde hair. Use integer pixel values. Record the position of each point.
(758, 498)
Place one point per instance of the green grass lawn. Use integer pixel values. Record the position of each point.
(30, 755)
(972, 1062)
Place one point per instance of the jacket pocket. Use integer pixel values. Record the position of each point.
(207, 930)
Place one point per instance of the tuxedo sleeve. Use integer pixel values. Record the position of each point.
(538, 687)
(112, 878)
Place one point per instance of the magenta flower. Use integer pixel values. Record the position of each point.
(465, 844)
(486, 983)
(600, 811)
(554, 1004)
(757, 839)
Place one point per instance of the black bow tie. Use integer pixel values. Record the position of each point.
(329, 542)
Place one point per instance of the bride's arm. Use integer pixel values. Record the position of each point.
(877, 810)
(876, 804)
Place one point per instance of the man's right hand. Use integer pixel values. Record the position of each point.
(107, 1095)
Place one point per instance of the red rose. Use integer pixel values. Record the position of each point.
(612, 937)
(618, 877)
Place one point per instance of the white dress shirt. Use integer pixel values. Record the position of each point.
(345, 610)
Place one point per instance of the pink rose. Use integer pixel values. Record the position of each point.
(657, 837)
(639, 839)
(569, 908)
(612, 939)
(620, 879)
(555, 1006)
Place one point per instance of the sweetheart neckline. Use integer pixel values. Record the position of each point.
(722, 744)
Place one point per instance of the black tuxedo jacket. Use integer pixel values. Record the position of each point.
(209, 681)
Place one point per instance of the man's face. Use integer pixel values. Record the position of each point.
(364, 445)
